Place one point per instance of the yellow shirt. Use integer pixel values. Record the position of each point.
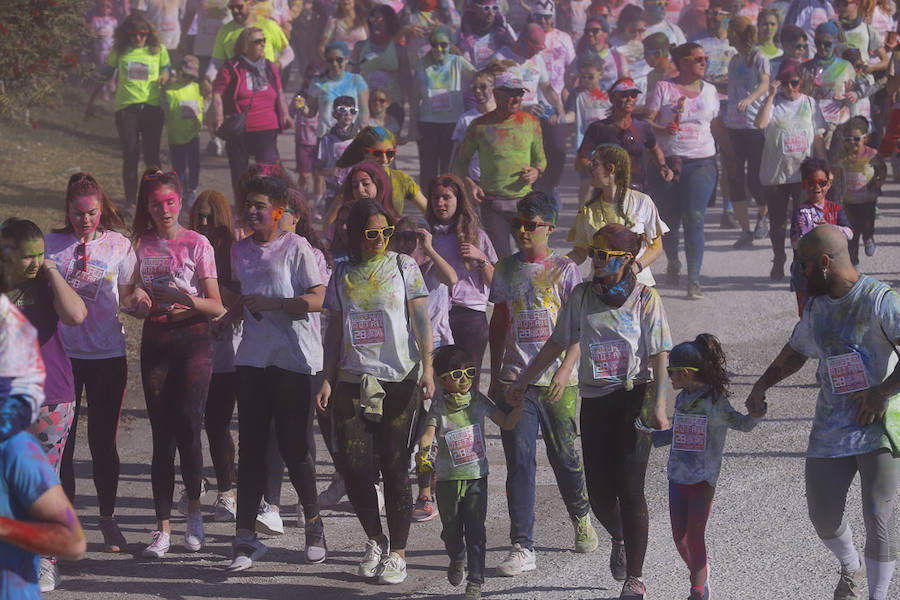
(276, 41)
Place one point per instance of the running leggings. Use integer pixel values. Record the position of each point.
(615, 463)
(219, 410)
(689, 506)
(176, 365)
(266, 395)
(365, 448)
(470, 330)
(102, 381)
(52, 428)
(827, 483)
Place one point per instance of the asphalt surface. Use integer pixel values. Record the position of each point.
(761, 543)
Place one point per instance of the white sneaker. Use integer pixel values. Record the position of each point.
(182, 505)
(393, 569)
(246, 550)
(334, 493)
(49, 574)
(519, 560)
(268, 521)
(368, 566)
(193, 535)
(158, 547)
(225, 507)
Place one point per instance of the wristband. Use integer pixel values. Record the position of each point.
(640, 266)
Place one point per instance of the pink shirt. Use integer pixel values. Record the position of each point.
(470, 291)
(185, 260)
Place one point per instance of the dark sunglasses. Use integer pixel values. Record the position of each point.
(337, 60)
(458, 374)
(345, 110)
(236, 7)
(81, 257)
(374, 234)
(699, 59)
(824, 43)
(378, 100)
(794, 83)
(141, 33)
(604, 255)
(518, 224)
(517, 93)
(441, 45)
(259, 41)
(853, 138)
(390, 154)
(594, 30)
(628, 94)
(820, 183)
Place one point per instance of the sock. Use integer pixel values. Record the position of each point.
(879, 575)
(842, 547)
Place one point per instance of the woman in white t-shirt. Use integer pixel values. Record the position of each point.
(178, 287)
(98, 263)
(793, 127)
(378, 335)
(684, 112)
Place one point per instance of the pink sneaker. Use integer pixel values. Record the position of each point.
(424, 510)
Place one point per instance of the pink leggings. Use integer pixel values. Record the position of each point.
(689, 510)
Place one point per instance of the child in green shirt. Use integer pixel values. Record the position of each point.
(457, 413)
(183, 103)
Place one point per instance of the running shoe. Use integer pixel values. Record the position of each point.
(456, 572)
(694, 292)
(586, 539)
(113, 540)
(633, 588)
(268, 521)
(225, 507)
(850, 584)
(425, 509)
(744, 241)
(473, 591)
(49, 574)
(777, 272)
(158, 547)
(673, 268)
(392, 569)
(761, 230)
(245, 551)
(334, 492)
(316, 550)
(870, 246)
(519, 560)
(182, 505)
(368, 566)
(618, 564)
(728, 220)
(193, 535)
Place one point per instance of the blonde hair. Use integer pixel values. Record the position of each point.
(744, 30)
(241, 46)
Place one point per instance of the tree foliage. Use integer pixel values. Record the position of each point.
(42, 43)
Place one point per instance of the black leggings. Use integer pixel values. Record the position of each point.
(470, 332)
(176, 365)
(219, 411)
(781, 200)
(365, 448)
(267, 395)
(103, 382)
(140, 130)
(615, 463)
(862, 220)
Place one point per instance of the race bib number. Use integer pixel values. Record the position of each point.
(86, 282)
(466, 445)
(367, 327)
(795, 142)
(483, 52)
(440, 100)
(689, 132)
(533, 326)
(189, 110)
(610, 359)
(689, 433)
(847, 373)
(138, 71)
(156, 268)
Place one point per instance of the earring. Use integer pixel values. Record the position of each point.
(824, 274)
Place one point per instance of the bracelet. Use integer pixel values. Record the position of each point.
(640, 266)
(53, 268)
(482, 263)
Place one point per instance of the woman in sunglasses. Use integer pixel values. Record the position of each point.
(438, 99)
(98, 263)
(808, 14)
(482, 32)
(684, 112)
(177, 277)
(619, 366)
(142, 64)
(336, 82)
(377, 362)
(793, 127)
(249, 83)
(827, 77)
(594, 41)
(381, 61)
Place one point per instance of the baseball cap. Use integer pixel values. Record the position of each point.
(623, 85)
(509, 81)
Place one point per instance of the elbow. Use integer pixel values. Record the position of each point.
(74, 548)
(75, 317)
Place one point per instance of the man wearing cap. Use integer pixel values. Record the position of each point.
(511, 154)
(620, 128)
(483, 31)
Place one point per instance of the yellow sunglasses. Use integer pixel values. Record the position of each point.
(385, 232)
(460, 373)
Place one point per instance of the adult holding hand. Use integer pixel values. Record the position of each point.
(846, 311)
(249, 84)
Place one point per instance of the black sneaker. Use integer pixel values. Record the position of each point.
(618, 564)
(728, 221)
(456, 572)
(672, 271)
(745, 241)
(777, 272)
(870, 246)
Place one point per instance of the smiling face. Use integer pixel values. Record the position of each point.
(261, 215)
(337, 62)
(382, 153)
(457, 386)
(854, 139)
(376, 24)
(817, 185)
(240, 10)
(482, 89)
(624, 102)
(378, 103)
(443, 201)
(363, 186)
(164, 204)
(376, 246)
(84, 214)
(29, 255)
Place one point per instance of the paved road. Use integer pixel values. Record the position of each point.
(761, 543)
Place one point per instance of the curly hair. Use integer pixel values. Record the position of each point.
(464, 223)
(811, 164)
(136, 21)
(612, 154)
(84, 184)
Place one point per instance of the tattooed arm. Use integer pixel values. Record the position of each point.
(788, 362)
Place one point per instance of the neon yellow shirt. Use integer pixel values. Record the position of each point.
(139, 71)
(184, 114)
(276, 41)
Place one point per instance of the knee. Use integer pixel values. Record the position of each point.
(828, 524)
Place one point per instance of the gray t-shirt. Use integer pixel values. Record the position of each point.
(460, 437)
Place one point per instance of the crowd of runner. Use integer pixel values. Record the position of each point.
(336, 288)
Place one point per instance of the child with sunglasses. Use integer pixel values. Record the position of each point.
(333, 144)
(703, 416)
(815, 210)
(458, 413)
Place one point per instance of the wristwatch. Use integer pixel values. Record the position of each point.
(482, 263)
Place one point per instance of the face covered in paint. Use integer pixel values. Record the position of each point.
(443, 202)
(376, 235)
(824, 47)
(440, 46)
(382, 153)
(164, 204)
(84, 213)
(261, 215)
(613, 279)
(29, 255)
(509, 101)
(532, 233)
(655, 10)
